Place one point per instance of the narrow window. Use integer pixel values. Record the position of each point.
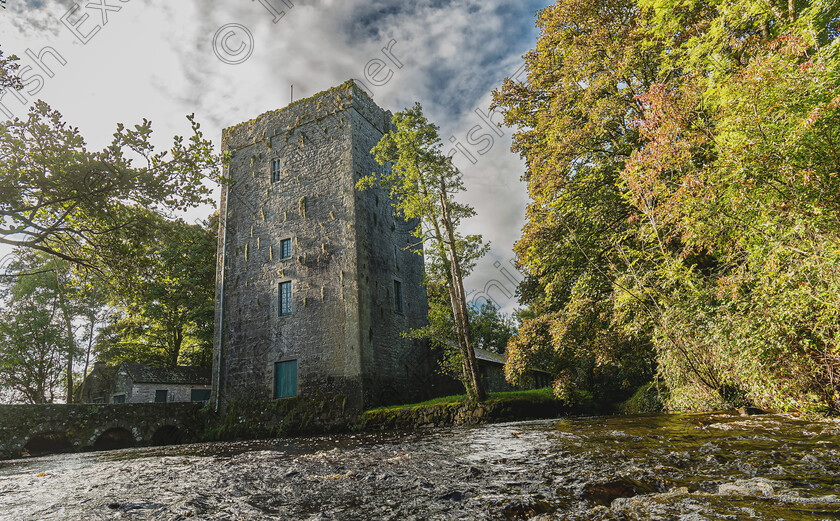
(161, 396)
(285, 296)
(276, 169)
(398, 304)
(285, 248)
(285, 379)
(396, 259)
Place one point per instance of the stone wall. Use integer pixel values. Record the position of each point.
(342, 332)
(395, 369)
(80, 427)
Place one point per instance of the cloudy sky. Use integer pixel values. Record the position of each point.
(100, 62)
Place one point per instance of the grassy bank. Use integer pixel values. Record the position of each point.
(544, 395)
(460, 410)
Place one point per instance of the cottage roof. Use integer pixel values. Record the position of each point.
(489, 356)
(184, 375)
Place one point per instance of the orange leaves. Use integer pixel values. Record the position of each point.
(817, 113)
(660, 172)
(790, 44)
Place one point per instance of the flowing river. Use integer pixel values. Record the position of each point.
(669, 467)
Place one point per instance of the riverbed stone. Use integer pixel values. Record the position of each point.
(751, 487)
(605, 492)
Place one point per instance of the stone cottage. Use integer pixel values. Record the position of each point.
(140, 383)
(316, 280)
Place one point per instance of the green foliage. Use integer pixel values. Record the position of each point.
(422, 184)
(65, 200)
(37, 285)
(721, 171)
(739, 160)
(647, 399)
(491, 329)
(163, 297)
(33, 339)
(535, 395)
(101, 212)
(575, 114)
(8, 72)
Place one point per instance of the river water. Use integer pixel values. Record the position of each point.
(680, 467)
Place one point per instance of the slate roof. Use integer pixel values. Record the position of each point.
(489, 356)
(184, 375)
(493, 358)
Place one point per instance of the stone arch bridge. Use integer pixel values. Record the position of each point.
(33, 430)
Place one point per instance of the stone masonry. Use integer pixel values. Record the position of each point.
(291, 176)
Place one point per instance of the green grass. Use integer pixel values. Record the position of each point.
(537, 395)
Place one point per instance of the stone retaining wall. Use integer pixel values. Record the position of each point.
(78, 427)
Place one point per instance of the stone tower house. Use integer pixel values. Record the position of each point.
(314, 281)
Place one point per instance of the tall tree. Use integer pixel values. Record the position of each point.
(492, 329)
(33, 338)
(708, 131)
(740, 165)
(575, 116)
(423, 183)
(8, 73)
(163, 297)
(58, 197)
(75, 308)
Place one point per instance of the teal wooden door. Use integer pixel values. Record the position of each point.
(285, 379)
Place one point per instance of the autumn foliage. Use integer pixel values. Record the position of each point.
(685, 215)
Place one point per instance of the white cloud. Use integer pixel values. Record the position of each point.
(155, 59)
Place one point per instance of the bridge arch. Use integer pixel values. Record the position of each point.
(48, 428)
(167, 435)
(114, 438)
(48, 442)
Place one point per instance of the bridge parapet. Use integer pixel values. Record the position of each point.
(42, 429)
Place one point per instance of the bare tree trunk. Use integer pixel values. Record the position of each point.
(71, 340)
(177, 341)
(87, 357)
(466, 368)
(459, 303)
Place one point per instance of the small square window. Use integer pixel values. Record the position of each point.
(285, 298)
(161, 396)
(398, 303)
(276, 169)
(118, 398)
(285, 248)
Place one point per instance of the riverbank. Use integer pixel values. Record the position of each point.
(247, 420)
(460, 410)
(40, 430)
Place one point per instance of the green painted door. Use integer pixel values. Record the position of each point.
(285, 379)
